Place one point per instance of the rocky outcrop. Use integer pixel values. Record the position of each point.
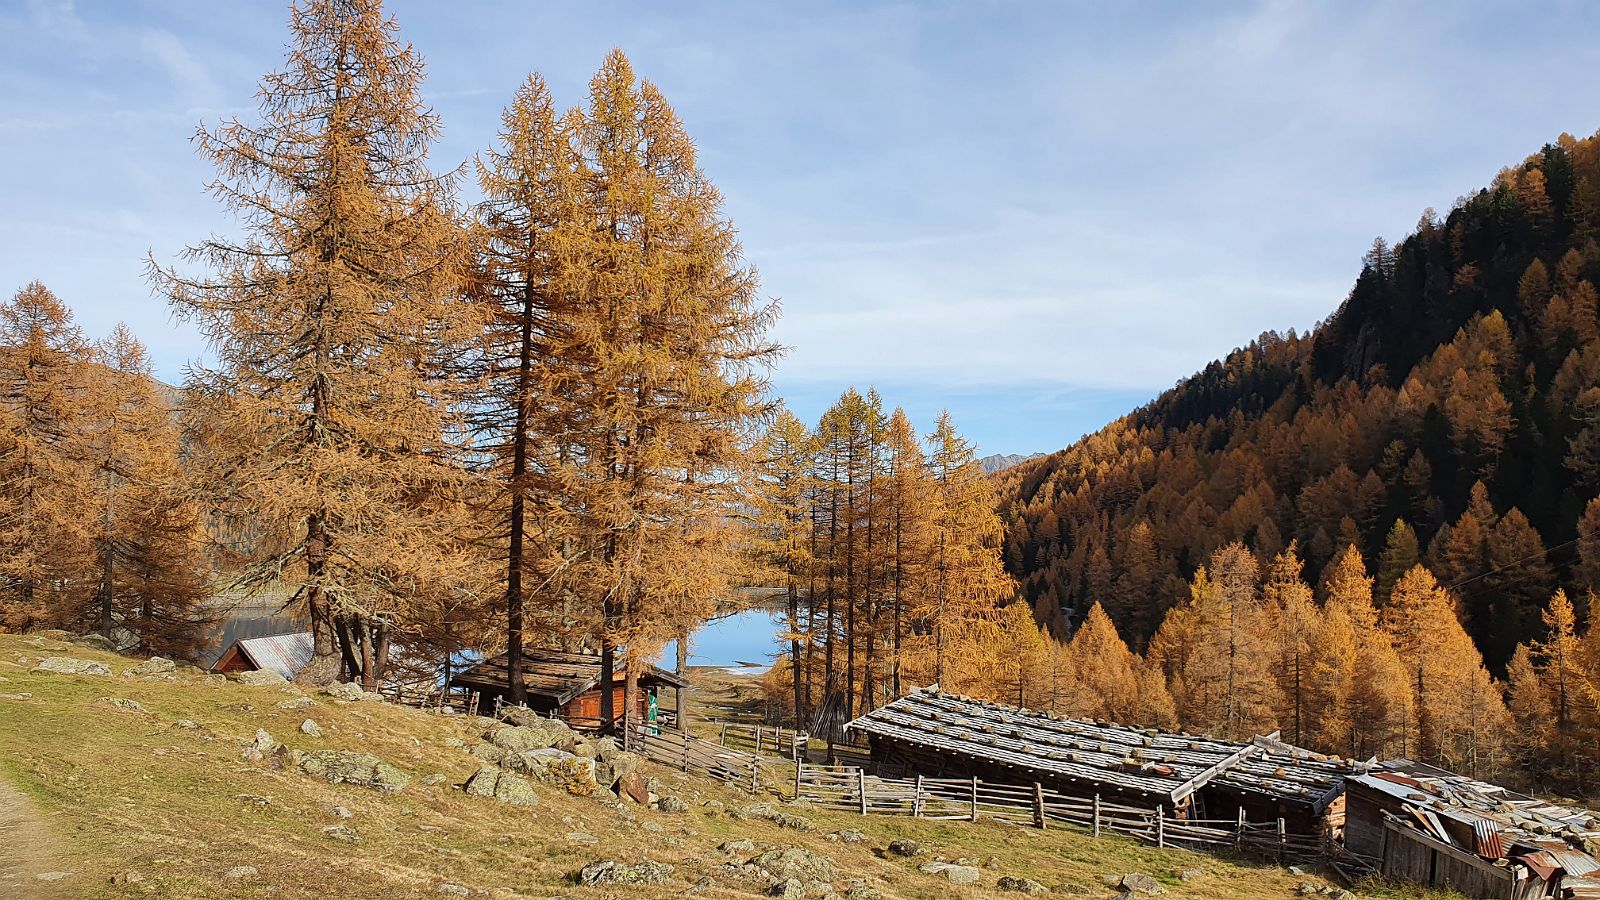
(154, 667)
(951, 872)
(503, 786)
(1021, 885)
(261, 678)
(348, 767)
(71, 665)
(350, 692)
(573, 774)
(612, 872)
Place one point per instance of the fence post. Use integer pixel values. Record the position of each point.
(1238, 835)
(758, 740)
(1161, 827)
(722, 735)
(916, 799)
(755, 768)
(1096, 815)
(686, 752)
(1038, 805)
(798, 768)
(861, 788)
(974, 798)
(1282, 839)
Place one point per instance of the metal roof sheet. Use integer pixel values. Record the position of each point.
(285, 654)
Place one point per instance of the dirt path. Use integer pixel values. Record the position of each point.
(28, 851)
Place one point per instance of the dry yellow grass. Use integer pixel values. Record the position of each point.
(116, 791)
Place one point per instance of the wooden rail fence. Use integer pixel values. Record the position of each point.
(769, 739)
(691, 754)
(850, 788)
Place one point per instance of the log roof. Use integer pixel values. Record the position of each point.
(1168, 765)
(554, 675)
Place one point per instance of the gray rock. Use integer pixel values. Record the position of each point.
(342, 833)
(860, 890)
(579, 837)
(1141, 884)
(1342, 894)
(349, 767)
(253, 800)
(1297, 871)
(296, 703)
(903, 847)
(238, 872)
(311, 728)
(1068, 887)
(847, 836)
(951, 872)
(1307, 888)
(189, 724)
(515, 790)
(123, 703)
(741, 845)
(481, 784)
(95, 642)
(796, 863)
(671, 804)
(71, 665)
(612, 872)
(537, 734)
(263, 742)
(260, 678)
(339, 811)
(1021, 885)
(788, 889)
(1190, 873)
(154, 667)
(574, 774)
(767, 812)
(344, 690)
(453, 890)
(435, 778)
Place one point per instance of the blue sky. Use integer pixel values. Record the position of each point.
(1035, 214)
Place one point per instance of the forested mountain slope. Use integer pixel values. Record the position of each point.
(1446, 413)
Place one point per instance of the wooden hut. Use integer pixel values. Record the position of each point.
(1420, 823)
(936, 734)
(567, 686)
(285, 654)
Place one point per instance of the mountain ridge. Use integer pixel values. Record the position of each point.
(1459, 377)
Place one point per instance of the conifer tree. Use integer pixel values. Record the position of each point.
(663, 352)
(46, 469)
(153, 575)
(324, 422)
(913, 498)
(786, 456)
(1399, 555)
(1518, 581)
(968, 576)
(1224, 684)
(1294, 615)
(529, 216)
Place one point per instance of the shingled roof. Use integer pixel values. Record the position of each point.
(1168, 765)
(553, 675)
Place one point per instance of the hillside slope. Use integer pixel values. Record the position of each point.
(156, 800)
(1457, 389)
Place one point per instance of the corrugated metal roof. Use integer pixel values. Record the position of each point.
(285, 654)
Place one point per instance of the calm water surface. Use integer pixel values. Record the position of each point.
(747, 637)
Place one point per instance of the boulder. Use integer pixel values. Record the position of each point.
(489, 753)
(71, 665)
(342, 833)
(350, 692)
(515, 790)
(95, 642)
(310, 727)
(860, 890)
(1138, 883)
(349, 767)
(612, 872)
(797, 863)
(634, 786)
(778, 817)
(903, 847)
(574, 774)
(739, 845)
(123, 703)
(788, 889)
(951, 872)
(154, 667)
(847, 836)
(481, 784)
(261, 678)
(671, 804)
(538, 734)
(435, 778)
(296, 703)
(239, 872)
(1021, 885)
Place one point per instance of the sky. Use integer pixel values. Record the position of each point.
(1037, 215)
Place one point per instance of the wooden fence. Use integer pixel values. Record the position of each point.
(850, 788)
(759, 739)
(691, 754)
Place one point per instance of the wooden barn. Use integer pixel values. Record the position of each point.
(567, 686)
(285, 654)
(1420, 823)
(935, 734)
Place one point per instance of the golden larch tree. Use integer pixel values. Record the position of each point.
(324, 422)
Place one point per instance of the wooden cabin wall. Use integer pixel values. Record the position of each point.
(1409, 856)
(233, 660)
(1364, 809)
(584, 709)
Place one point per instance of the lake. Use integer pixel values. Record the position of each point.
(747, 637)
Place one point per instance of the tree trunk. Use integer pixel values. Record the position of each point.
(324, 665)
(518, 694)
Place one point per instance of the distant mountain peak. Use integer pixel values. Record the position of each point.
(999, 462)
